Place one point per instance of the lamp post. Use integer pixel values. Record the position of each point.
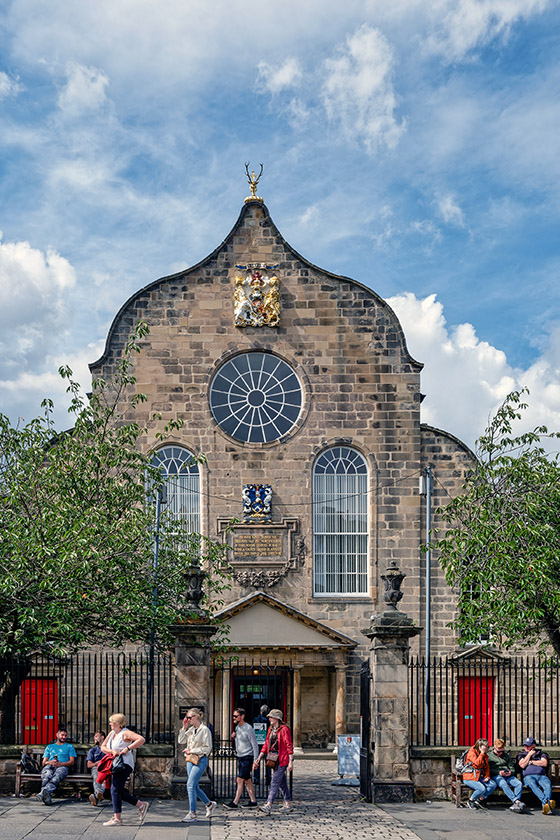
(161, 499)
(426, 487)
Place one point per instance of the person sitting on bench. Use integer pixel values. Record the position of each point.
(477, 774)
(502, 771)
(94, 756)
(57, 760)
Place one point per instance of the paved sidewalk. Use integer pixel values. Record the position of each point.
(321, 812)
(443, 821)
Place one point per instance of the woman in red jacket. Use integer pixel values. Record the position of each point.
(477, 774)
(277, 748)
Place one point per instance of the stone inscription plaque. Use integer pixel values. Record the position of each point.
(257, 545)
(263, 554)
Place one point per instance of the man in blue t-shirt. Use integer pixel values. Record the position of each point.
(94, 756)
(57, 760)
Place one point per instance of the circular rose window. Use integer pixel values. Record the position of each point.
(256, 397)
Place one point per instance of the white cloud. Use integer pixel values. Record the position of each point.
(34, 288)
(276, 79)
(358, 89)
(9, 86)
(21, 396)
(84, 89)
(450, 211)
(469, 24)
(428, 230)
(465, 379)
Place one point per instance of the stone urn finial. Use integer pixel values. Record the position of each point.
(194, 578)
(392, 580)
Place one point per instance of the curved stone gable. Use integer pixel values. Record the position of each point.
(255, 238)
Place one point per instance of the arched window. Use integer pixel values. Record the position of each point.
(340, 523)
(182, 483)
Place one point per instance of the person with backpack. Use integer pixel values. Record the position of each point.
(476, 774)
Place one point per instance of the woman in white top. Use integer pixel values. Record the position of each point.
(198, 739)
(122, 741)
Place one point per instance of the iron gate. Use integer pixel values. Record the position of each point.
(248, 684)
(366, 754)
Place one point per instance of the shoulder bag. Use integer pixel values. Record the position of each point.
(118, 765)
(272, 754)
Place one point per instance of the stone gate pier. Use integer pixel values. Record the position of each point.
(390, 633)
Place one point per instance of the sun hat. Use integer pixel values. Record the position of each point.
(275, 713)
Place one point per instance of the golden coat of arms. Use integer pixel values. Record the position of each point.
(256, 300)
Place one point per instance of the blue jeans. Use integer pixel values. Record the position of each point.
(540, 785)
(510, 785)
(51, 777)
(97, 788)
(194, 772)
(483, 789)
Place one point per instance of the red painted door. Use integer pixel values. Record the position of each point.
(476, 709)
(39, 711)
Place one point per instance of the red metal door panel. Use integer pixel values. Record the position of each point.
(39, 711)
(476, 709)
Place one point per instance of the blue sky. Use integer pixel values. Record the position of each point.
(410, 145)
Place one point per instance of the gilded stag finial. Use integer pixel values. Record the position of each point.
(253, 181)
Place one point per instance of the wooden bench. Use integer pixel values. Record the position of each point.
(461, 792)
(78, 774)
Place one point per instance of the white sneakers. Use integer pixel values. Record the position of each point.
(192, 818)
(267, 808)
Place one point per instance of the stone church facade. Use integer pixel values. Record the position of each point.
(298, 388)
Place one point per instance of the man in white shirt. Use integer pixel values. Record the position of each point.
(247, 751)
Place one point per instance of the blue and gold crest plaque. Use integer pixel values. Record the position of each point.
(257, 499)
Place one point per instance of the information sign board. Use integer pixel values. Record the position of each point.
(349, 754)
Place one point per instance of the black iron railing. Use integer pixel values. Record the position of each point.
(484, 697)
(41, 695)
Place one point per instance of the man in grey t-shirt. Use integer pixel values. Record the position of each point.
(247, 751)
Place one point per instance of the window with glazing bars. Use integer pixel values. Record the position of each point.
(182, 479)
(340, 523)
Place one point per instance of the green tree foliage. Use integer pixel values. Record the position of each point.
(77, 533)
(501, 549)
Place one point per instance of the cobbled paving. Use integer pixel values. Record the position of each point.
(321, 812)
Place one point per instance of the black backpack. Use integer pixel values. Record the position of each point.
(28, 763)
